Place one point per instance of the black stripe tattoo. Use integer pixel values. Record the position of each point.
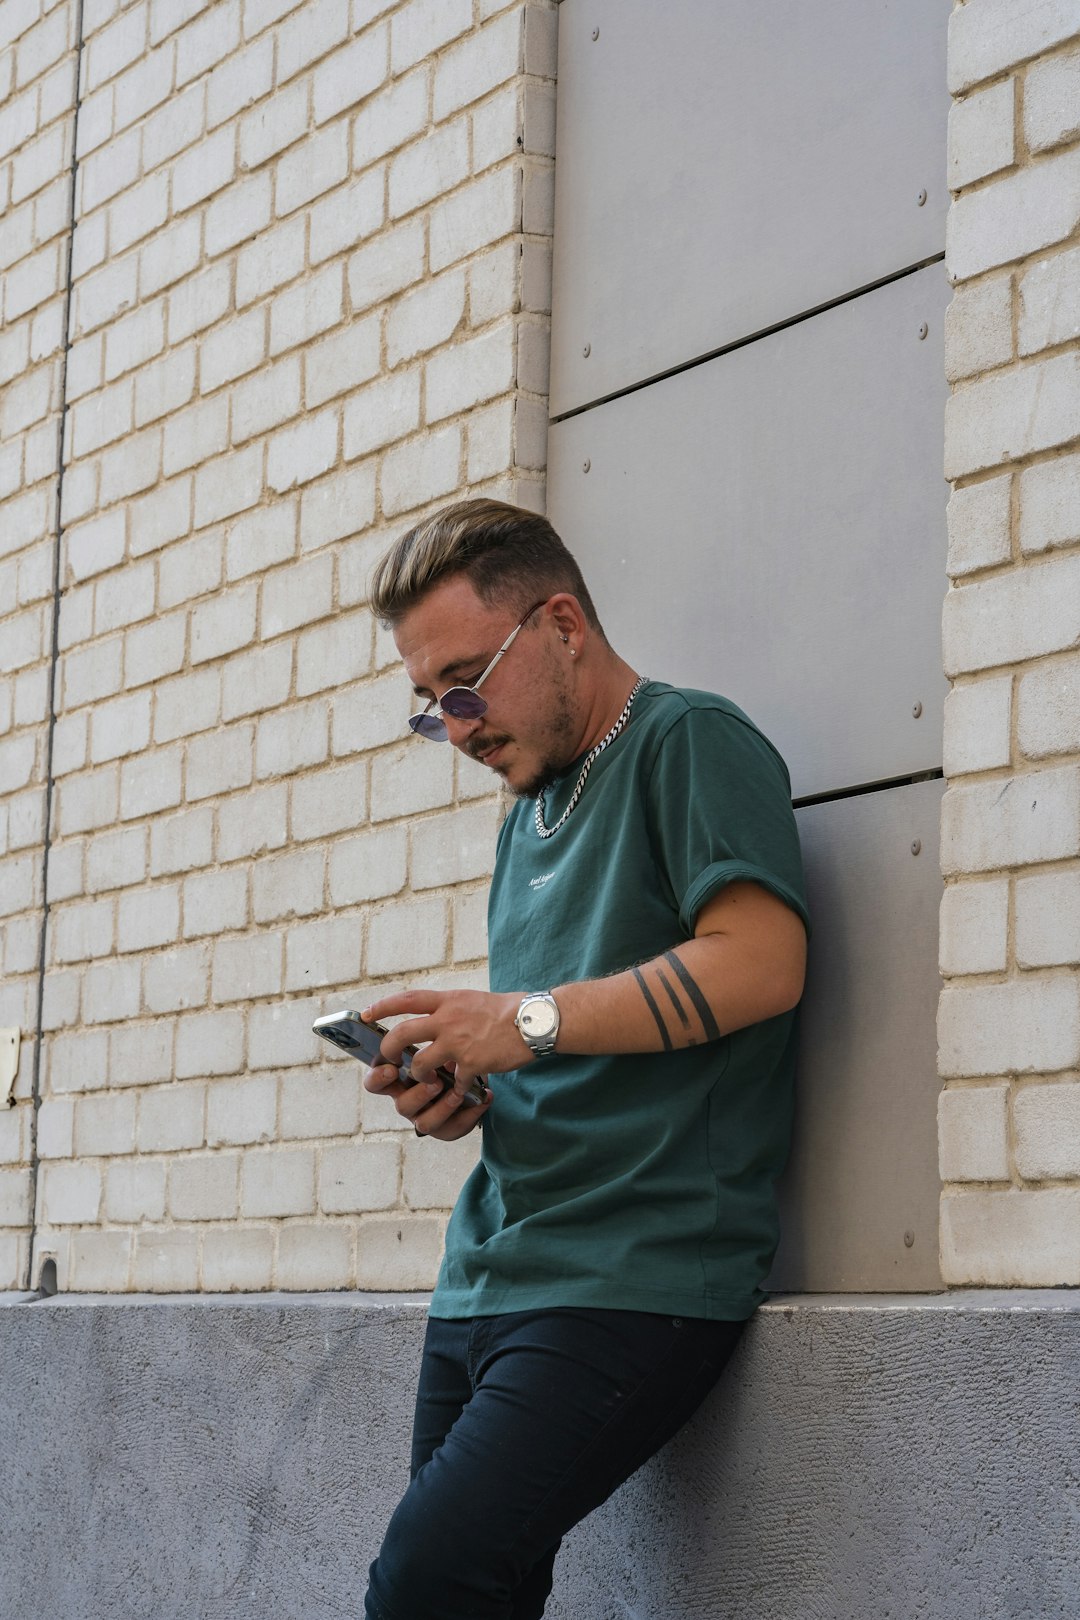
(708, 1022)
(654, 1009)
(673, 998)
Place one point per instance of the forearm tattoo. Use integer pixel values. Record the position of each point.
(686, 991)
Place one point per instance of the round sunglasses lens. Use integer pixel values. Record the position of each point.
(429, 726)
(463, 703)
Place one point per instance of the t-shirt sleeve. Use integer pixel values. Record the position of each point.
(719, 803)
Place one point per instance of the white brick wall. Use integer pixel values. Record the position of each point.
(310, 299)
(1010, 945)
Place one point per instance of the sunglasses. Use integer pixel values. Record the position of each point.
(462, 702)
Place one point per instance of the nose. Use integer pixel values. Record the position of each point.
(459, 731)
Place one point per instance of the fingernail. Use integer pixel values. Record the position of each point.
(365, 1012)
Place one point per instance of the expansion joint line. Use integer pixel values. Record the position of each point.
(54, 653)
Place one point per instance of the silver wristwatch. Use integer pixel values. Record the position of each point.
(538, 1022)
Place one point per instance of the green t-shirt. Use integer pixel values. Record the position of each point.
(645, 1181)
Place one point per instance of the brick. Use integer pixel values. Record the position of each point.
(270, 397)
(260, 679)
(238, 214)
(321, 25)
(292, 739)
(56, 1127)
(223, 624)
(311, 307)
(260, 539)
(204, 171)
(190, 570)
(287, 885)
(1021, 214)
(1026, 1026)
(154, 650)
(389, 264)
(23, 641)
(148, 917)
(350, 215)
(116, 859)
(198, 302)
(335, 508)
(182, 841)
(486, 59)
(96, 545)
(455, 847)
(40, 161)
(1011, 1239)
(279, 1181)
(241, 1111)
(534, 358)
(72, 1193)
(237, 1260)
(361, 1176)
(108, 171)
(214, 901)
(368, 867)
(474, 217)
(329, 802)
(978, 328)
(130, 467)
(1051, 102)
(1027, 818)
(399, 1252)
(149, 783)
(1050, 303)
(102, 418)
(116, 46)
(1015, 616)
(469, 373)
(1046, 1120)
(187, 705)
(166, 1262)
(175, 980)
(279, 1035)
(98, 1262)
(15, 1196)
(339, 362)
(65, 870)
(390, 119)
(253, 823)
(246, 968)
(410, 935)
(315, 166)
(318, 1256)
(32, 282)
(141, 1054)
(146, 84)
(296, 595)
(350, 75)
(422, 470)
(429, 168)
(196, 435)
(171, 1118)
(538, 125)
(1050, 504)
(140, 211)
(135, 1192)
(433, 1172)
(227, 485)
(298, 454)
(178, 124)
(162, 389)
(120, 727)
(1048, 919)
(235, 348)
(426, 318)
(981, 134)
(209, 1043)
(973, 1129)
(161, 516)
(78, 1062)
(321, 1102)
(270, 128)
(405, 782)
(322, 953)
(381, 414)
(204, 1186)
(334, 654)
(491, 441)
(219, 761)
(985, 39)
(111, 993)
(259, 14)
(42, 46)
(422, 26)
(1048, 711)
(88, 801)
(240, 81)
(105, 1125)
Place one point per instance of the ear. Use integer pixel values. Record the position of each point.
(568, 618)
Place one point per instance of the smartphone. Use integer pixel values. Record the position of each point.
(361, 1040)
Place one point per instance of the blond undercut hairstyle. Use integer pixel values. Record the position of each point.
(508, 555)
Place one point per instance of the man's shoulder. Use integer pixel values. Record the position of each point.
(665, 705)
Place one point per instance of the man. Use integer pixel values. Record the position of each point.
(647, 950)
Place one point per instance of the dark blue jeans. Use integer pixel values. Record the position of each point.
(524, 1424)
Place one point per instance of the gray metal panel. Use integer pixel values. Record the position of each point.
(722, 168)
(771, 525)
(864, 1166)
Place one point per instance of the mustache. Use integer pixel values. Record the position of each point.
(476, 746)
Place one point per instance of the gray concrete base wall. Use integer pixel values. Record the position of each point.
(235, 1458)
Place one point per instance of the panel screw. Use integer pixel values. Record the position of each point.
(587, 350)
(909, 1240)
(916, 709)
(596, 33)
(585, 465)
(923, 330)
(921, 198)
(916, 845)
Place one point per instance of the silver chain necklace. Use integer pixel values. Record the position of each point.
(542, 828)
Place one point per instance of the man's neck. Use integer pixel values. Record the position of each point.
(613, 686)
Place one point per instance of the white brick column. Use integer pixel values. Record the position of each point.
(1010, 942)
(311, 271)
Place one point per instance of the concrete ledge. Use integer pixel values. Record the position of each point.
(204, 1457)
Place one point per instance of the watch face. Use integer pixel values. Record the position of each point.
(538, 1018)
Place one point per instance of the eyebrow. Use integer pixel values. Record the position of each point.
(459, 665)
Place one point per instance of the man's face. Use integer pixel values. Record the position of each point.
(529, 733)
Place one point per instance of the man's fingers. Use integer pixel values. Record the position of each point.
(403, 1001)
(410, 1032)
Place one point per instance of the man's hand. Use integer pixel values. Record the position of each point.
(470, 1032)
